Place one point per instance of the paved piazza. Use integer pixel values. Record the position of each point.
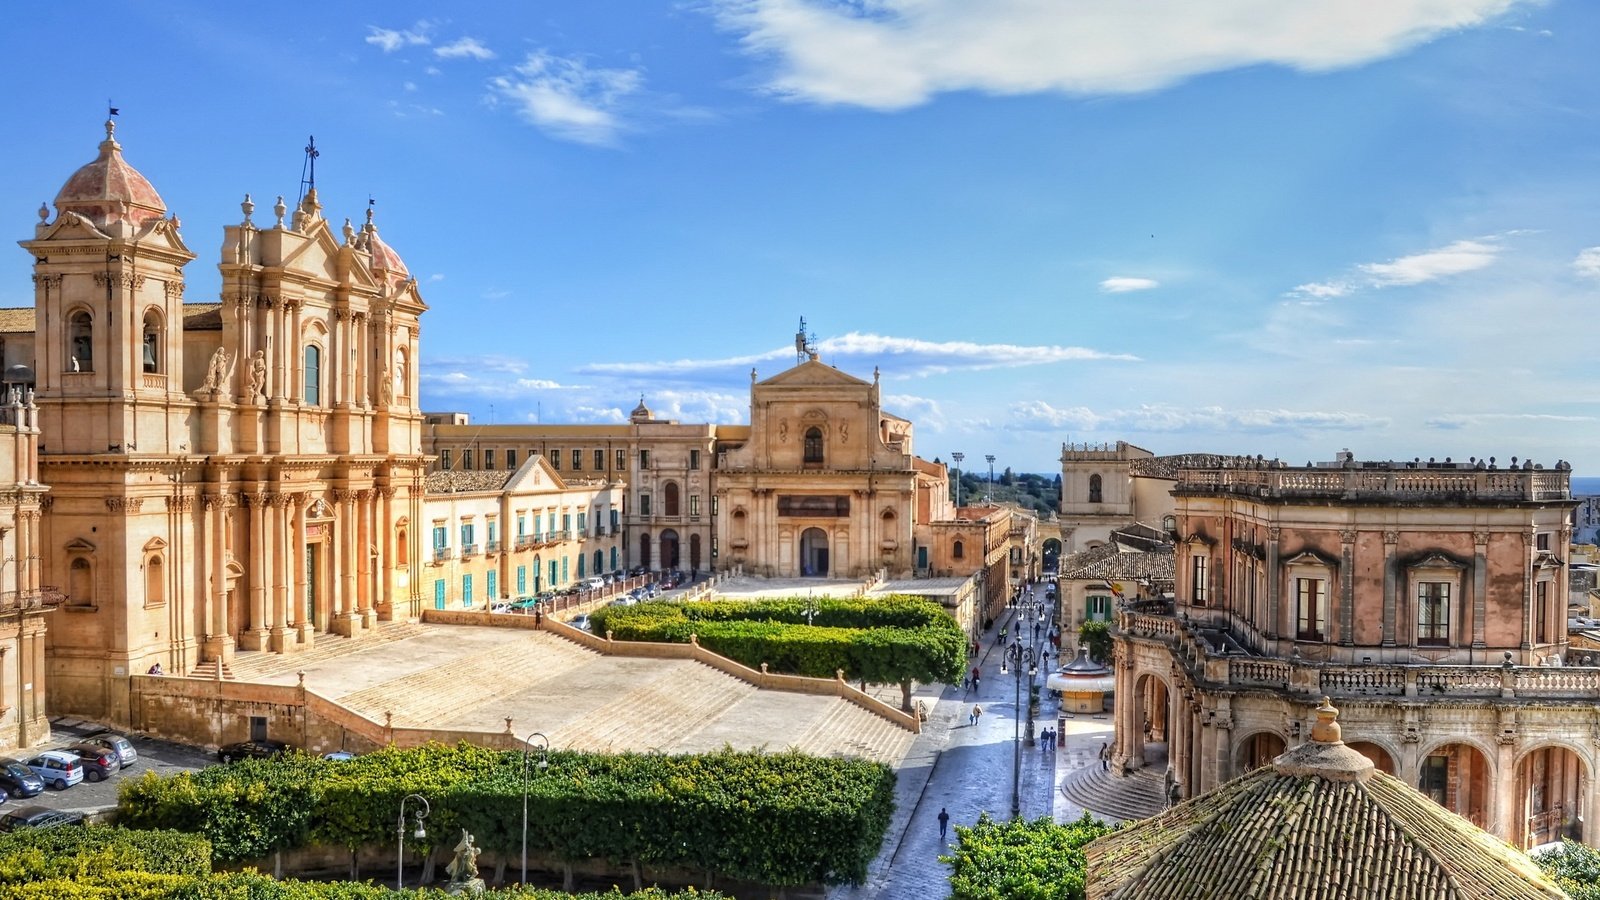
(469, 677)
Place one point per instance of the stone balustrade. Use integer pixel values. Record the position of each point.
(1459, 481)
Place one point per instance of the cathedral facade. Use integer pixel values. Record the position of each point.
(223, 477)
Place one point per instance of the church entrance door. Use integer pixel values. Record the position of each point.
(814, 553)
(669, 550)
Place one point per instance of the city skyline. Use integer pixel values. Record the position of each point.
(1240, 229)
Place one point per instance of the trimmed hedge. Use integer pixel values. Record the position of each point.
(890, 640)
(94, 852)
(778, 819)
(255, 886)
(1021, 860)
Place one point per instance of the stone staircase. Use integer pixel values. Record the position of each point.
(684, 699)
(208, 670)
(1135, 796)
(261, 665)
(434, 695)
(848, 730)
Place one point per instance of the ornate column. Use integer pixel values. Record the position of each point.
(281, 636)
(1528, 575)
(387, 552)
(303, 589)
(1347, 586)
(344, 617)
(1390, 577)
(1275, 625)
(363, 559)
(255, 638)
(219, 641)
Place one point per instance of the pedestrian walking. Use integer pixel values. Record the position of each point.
(1105, 757)
(974, 684)
(977, 713)
(1036, 631)
(944, 822)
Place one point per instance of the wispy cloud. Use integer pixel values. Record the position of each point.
(903, 357)
(893, 54)
(565, 98)
(1122, 284)
(1418, 268)
(1467, 420)
(922, 410)
(486, 377)
(391, 39)
(1037, 415)
(464, 48)
(1587, 262)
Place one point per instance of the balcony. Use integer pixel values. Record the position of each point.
(1441, 482)
(441, 554)
(469, 550)
(154, 382)
(526, 541)
(491, 547)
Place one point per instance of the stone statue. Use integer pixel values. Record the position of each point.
(258, 374)
(463, 869)
(216, 370)
(385, 387)
(75, 364)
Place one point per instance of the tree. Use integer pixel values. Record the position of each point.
(1097, 637)
(1006, 478)
(1575, 867)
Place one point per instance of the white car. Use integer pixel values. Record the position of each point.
(595, 584)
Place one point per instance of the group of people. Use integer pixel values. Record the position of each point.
(1047, 738)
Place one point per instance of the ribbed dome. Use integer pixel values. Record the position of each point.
(109, 190)
(641, 413)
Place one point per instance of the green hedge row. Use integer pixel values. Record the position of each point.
(254, 886)
(890, 640)
(778, 819)
(1021, 860)
(93, 853)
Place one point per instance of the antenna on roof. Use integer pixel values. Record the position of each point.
(308, 171)
(805, 346)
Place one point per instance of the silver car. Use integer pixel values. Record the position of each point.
(116, 743)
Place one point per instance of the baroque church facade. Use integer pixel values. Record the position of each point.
(222, 477)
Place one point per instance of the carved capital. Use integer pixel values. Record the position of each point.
(343, 496)
(281, 501)
(256, 500)
(339, 315)
(365, 494)
(1481, 538)
(1347, 535)
(124, 504)
(47, 280)
(1391, 537)
(180, 502)
(174, 290)
(1274, 532)
(385, 492)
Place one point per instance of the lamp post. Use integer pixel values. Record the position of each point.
(811, 609)
(990, 497)
(958, 456)
(417, 816)
(1016, 657)
(544, 763)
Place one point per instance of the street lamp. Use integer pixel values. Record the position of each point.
(811, 608)
(544, 763)
(990, 497)
(1016, 657)
(417, 816)
(958, 456)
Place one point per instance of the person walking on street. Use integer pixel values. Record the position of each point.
(944, 822)
(977, 713)
(1105, 757)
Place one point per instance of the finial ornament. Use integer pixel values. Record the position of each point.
(44, 212)
(349, 232)
(1327, 730)
(111, 131)
(249, 206)
(278, 209)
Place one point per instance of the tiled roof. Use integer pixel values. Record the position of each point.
(465, 482)
(16, 319)
(1318, 824)
(1110, 561)
(202, 317)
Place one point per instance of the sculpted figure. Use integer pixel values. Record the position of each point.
(258, 374)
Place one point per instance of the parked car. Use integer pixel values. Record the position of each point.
(580, 622)
(263, 749)
(595, 584)
(500, 607)
(126, 755)
(99, 763)
(339, 756)
(4, 796)
(18, 779)
(36, 817)
(59, 770)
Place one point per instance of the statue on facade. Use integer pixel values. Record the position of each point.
(385, 387)
(463, 868)
(258, 375)
(216, 370)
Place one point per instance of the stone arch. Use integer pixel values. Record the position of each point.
(669, 499)
(813, 442)
(1096, 494)
(669, 550)
(958, 550)
(1258, 748)
(152, 353)
(1551, 781)
(1458, 773)
(1380, 756)
(402, 541)
(80, 339)
(1154, 704)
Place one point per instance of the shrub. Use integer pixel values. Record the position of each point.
(1021, 860)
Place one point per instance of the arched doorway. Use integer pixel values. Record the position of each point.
(1153, 717)
(669, 550)
(1456, 776)
(694, 552)
(1550, 781)
(1380, 757)
(538, 574)
(1258, 750)
(814, 553)
(644, 549)
(1051, 555)
(669, 500)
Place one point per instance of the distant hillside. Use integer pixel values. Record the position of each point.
(1040, 493)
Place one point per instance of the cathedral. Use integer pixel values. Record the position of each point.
(222, 477)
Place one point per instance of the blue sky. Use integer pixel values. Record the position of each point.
(1242, 226)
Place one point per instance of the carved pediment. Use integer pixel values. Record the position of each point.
(1436, 561)
(813, 372)
(154, 544)
(1311, 558)
(79, 545)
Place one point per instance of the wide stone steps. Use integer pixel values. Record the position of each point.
(262, 665)
(849, 730)
(442, 693)
(678, 703)
(208, 669)
(1132, 797)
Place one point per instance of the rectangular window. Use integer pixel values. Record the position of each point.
(577, 460)
(466, 534)
(616, 520)
(522, 525)
(1542, 541)
(1435, 779)
(1099, 608)
(644, 504)
(491, 592)
(466, 590)
(566, 522)
(644, 459)
(583, 522)
(444, 460)
(1433, 613)
(522, 580)
(622, 460)
(441, 537)
(488, 460)
(1198, 584)
(555, 460)
(511, 459)
(1311, 603)
(466, 460)
(694, 459)
(1541, 612)
(494, 532)
(694, 506)
(599, 460)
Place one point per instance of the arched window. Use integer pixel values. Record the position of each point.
(1094, 488)
(402, 374)
(80, 331)
(312, 375)
(959, 551)
(151, 358)
(813, 445)
(155, 582)
(669, 499)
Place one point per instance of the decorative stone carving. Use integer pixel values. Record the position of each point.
(216, 370)
(1391, 537)
(258, 375)
(121, 504)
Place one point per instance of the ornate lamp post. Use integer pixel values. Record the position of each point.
(544, 763)
(417, 816)
(1016, 658)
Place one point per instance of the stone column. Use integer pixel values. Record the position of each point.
(363, 554)
(1347, 589)
(281, 637)
(256, 637)
(388, 553)
(1528, 574)
(219, 643)
(1480, 570)
(1390, 587)
(344, 587)
(297, 560)
(1509, 822)
(1275, 625)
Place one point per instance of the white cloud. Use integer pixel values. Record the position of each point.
(893, 54)
(390, 39)
(566, 99)
(1121, 284)
(1431, 265)
(906, 357)
(464, 48)
(921, 410)
(1471, 419)
(1037, 415)
(436, 277)
(1323, 290)
(1587, 262)
(598, 415)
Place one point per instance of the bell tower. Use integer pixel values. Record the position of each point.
(108, 295)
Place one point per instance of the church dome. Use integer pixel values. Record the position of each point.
(108, 190)
(641, 413)
(384, 259)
